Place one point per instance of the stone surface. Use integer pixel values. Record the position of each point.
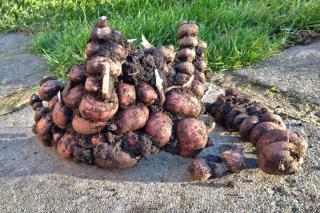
(287, 106)
(19, 70)
(12, 41)
(34, 178)
(296, 71)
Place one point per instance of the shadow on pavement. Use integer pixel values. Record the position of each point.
(22, 155)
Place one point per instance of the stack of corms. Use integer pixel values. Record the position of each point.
(190, 57)
(123, 103)
(279, 151)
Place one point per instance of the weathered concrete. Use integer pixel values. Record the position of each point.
(296, 71)
(12, 41)
(287, 106)
(34, 178)
(19, 71)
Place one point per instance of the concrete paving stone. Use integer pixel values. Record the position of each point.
(34, 178)
(19, 71)
(12, 41)
(296, 71)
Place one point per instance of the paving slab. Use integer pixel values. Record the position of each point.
(19, 71)
(296, 71)
(34, 178)
(12, 41)
(287, 106)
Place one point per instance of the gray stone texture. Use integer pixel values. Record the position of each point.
(34, 178)
(296, 71)
(19, 70)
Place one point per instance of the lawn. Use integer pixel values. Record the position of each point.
(238, 32)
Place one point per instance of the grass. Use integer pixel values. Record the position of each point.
(238, 32)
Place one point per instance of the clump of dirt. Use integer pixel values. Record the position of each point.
(140, 67)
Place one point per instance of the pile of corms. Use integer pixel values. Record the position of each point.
(279, 151)
(125, 103)
(230, 161)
